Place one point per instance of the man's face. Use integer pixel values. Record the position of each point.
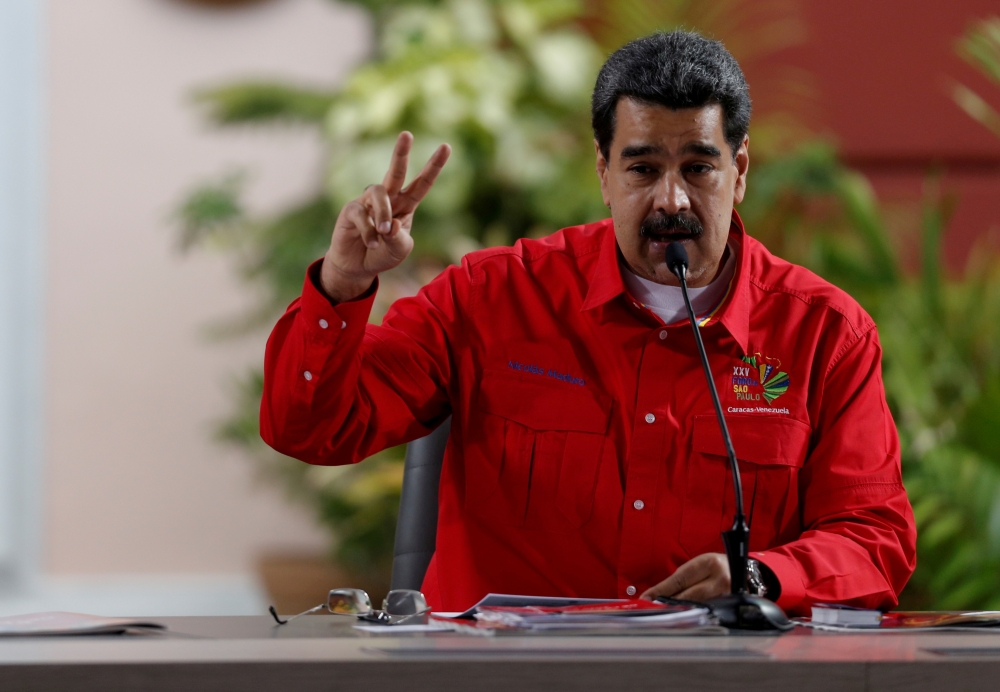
(671, 176)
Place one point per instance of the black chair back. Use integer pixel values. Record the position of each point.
(416, 527)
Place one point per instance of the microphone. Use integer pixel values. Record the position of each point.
(738, 610)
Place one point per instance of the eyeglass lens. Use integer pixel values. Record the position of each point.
(404, 602)
(401, 604)
(348, 602)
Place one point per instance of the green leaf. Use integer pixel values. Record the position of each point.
(862, 209)
(262, 102)
(941, 529)
(980, 426)
(980, 47)
(209, 210)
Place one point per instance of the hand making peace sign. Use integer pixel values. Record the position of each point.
(372, 233)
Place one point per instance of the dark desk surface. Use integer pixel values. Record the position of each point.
(325, 653)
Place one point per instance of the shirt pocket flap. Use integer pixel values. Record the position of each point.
(543, 406)
(764, 440)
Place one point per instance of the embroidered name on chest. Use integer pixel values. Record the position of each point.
(533, 369)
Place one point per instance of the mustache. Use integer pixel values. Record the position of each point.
(663, 224)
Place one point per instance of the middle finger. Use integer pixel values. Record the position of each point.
(413, 193)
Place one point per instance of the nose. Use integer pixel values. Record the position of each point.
(671, 195)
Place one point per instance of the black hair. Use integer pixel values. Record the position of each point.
(679, 69)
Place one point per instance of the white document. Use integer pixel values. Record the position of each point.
(402, 629)
(50, 624)
(515, 601)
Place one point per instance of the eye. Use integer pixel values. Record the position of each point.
(699, 168)
(641, 169)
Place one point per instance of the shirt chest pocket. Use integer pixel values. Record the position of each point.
(771, 452)
(535, 457)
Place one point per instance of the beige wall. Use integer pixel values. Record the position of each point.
(133, 483)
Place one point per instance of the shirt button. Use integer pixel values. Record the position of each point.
(638, 504)
(650, 418)
(323, 324)
(663, 334)
(630, 591)
(308, 375)
(343, 325)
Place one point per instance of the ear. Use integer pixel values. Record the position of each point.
(602, 174)
(742, 163)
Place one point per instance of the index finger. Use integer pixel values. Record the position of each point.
(396, 175)
(413, 193)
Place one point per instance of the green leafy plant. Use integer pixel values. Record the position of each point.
(942, 343)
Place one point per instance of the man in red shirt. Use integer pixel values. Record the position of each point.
(584, 458)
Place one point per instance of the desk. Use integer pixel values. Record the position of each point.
(249, 654)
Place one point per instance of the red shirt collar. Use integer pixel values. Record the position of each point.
(606, 282)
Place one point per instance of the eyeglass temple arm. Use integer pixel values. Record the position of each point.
(274, 613)
(405, 618)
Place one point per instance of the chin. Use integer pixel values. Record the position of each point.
(659, 273)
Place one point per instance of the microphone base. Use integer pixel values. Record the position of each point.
(741, 611)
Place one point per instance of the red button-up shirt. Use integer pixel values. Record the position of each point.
(584, 456)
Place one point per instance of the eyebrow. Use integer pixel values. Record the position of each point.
(635, 151)
(700, 148)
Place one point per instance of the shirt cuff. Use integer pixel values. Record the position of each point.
(326, 324)
(319, 310)
(313, 282)
(789, 574)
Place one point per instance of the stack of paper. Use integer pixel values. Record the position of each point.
(49, 624)
(830, 614)
(501, 611)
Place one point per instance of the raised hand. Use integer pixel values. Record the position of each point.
(372, 233)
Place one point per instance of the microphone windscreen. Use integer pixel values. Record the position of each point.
(676, 257)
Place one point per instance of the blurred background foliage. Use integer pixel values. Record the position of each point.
(980, 47)
(507, 83)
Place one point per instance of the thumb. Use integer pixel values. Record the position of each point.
(391, 249)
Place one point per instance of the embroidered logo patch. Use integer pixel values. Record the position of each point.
(759, 379)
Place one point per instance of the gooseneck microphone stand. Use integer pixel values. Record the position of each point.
(738, 610)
